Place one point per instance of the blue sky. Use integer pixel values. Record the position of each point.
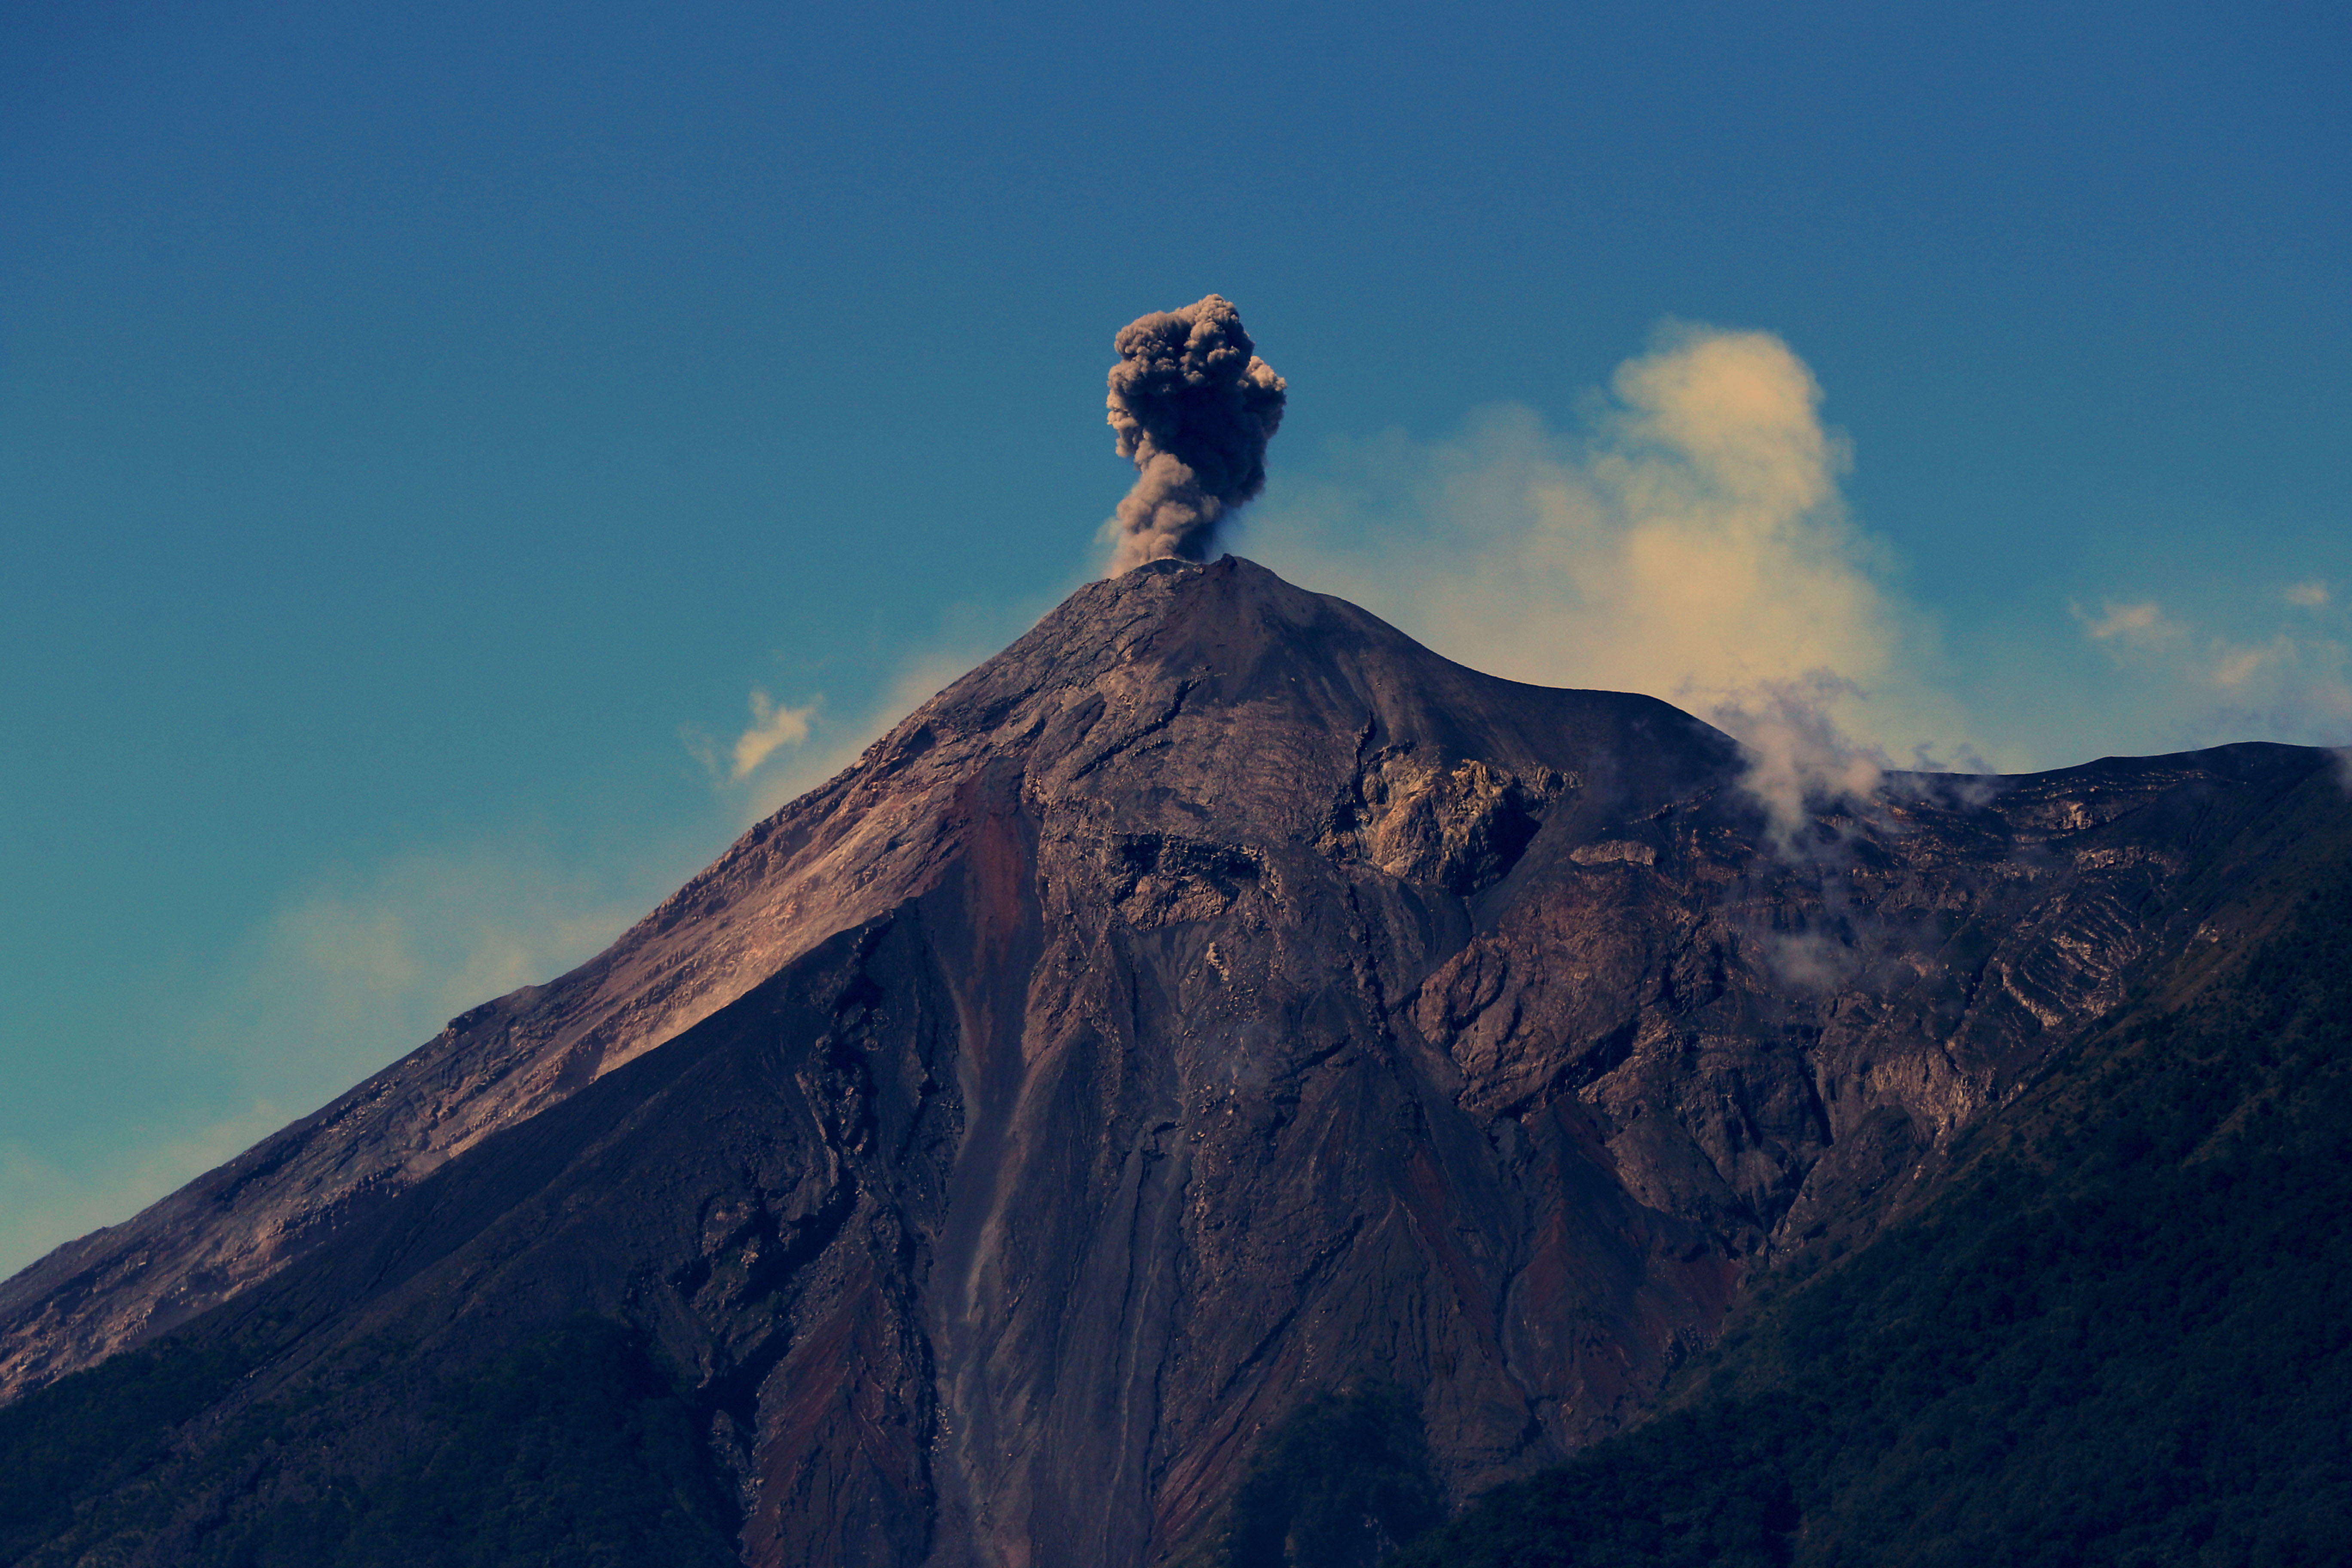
(426, 430)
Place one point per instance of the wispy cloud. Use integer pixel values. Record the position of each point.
(45, 1202)
(2233, 668)
(919, 677)
(370, 961)
(819, 744)
(773, 725)
(2288, 681)
(2141, 624)
(773, 728)
(345, 976)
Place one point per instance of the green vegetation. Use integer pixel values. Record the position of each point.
(1337, 1485)
(1680, 1492)
(2124, 1335)
(572, 1450)
(86, 1435)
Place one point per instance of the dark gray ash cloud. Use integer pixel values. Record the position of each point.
(1194, 407)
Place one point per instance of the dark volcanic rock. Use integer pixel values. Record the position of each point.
(1214, 998)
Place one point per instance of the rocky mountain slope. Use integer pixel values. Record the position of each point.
(1214, 999)
(2112, 1330)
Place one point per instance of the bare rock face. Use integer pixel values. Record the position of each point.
(1213, 998)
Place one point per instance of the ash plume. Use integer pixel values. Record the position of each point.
(1194, 407)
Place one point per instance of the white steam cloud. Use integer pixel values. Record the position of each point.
(1692, 544)
(1690, 541)
(1799, 758)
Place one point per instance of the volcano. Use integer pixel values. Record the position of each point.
(1214, 1002)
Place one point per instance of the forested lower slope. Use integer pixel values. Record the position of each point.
(2121, 1334)
(574, 1448)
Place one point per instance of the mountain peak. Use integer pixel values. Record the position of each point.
(1178, 698)
(1212, 998)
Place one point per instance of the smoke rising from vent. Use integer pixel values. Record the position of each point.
(1194, 407)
